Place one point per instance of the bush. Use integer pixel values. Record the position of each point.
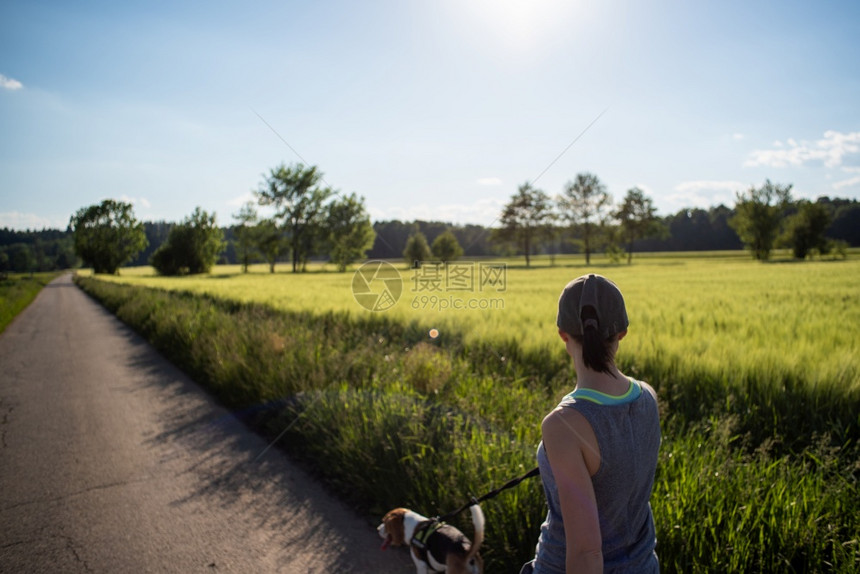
(192, 246)
(446, 247)
(416, 250)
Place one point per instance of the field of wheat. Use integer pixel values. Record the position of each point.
(757, 368)
(722, 315)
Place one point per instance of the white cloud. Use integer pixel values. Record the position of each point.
(24, 221)
(700, 186)
(646, 189)
(236, 203)
(702, 194)
(10, 83)
(847, 183)
(830, 151)
(489, 181)
(482, 212)
(241, 200)
(738, 136)
(136, 201)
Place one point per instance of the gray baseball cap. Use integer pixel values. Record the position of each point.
(592, 291)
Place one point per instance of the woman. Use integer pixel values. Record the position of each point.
(599, 449)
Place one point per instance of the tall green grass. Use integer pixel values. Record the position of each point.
(721, 334)
(728, 316)
(17, 291)
(723, 509)
(758, 472)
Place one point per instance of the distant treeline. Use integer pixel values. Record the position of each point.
(34, 251)
(689, 230)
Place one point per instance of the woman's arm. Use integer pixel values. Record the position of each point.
(565, 434)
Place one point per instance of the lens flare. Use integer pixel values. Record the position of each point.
(433, 333)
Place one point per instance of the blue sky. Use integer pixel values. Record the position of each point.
(431, 109)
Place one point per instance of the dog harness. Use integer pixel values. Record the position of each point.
(422, 534)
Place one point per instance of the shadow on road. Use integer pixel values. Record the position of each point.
(269, 490)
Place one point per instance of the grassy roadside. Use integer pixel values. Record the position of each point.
(17, 291)
(390, 418)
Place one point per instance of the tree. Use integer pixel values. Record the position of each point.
(614, 235)
(638, 219)
(46, 250)
(758, 214)
(246, 242)
(299, 202)
(526, 219)
(107, 235)
(350, 233)
(416, 250)
(156, 234)
(64, 254)
(392, 235)
(804, 231)
(846, 220)
(584, 204)
(446, 247)
(20, 258)
(192, 246)
(270, 241)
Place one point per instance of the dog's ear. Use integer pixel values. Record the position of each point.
(394, 527)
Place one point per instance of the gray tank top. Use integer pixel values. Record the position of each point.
(628, 435)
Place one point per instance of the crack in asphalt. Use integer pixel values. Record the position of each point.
(76, 493)
(12, 544)
(4, 420)
(70, 545)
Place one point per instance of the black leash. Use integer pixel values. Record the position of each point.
(510, 484)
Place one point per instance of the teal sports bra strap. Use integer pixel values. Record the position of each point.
(633, 392)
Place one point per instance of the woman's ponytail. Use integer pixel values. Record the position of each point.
(591, 310)
(596, 351)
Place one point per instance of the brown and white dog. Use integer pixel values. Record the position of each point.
(446, 549)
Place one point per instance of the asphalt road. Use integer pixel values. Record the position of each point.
(112, 460)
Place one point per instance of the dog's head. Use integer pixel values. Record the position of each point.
(392, 530)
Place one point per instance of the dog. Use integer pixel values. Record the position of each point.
(435, 546)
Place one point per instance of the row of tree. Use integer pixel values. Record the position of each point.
(29, 251)
(308, 218)
(312, 221)
(693, 229)
(584, 209)
(763, 218)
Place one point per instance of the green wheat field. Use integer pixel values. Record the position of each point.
(440, 396)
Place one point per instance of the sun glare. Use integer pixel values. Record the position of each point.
(520, 24)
